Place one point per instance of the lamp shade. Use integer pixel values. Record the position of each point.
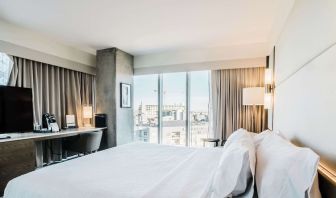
(253, 96)
(87, 112)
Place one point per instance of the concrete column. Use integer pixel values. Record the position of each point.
(114, 67)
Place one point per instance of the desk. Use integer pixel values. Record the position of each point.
(49, 136)
(18, 152)
(39, 137)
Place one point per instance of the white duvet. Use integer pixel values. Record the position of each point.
(132, 170)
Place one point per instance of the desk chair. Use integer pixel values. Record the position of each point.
(85, 143)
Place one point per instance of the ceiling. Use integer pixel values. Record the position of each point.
(143, 27)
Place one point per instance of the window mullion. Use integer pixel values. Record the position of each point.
(188, 135)
(160, 100)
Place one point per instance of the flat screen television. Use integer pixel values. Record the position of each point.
(16, 109)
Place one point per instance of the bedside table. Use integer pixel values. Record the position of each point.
(214, 140)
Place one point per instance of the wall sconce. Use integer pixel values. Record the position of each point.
(268, 100)
(268, 76)
(269, 86)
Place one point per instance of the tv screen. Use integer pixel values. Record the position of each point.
(16, 109)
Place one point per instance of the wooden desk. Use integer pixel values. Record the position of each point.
(48, 136)
(38, 138)
(23, 152)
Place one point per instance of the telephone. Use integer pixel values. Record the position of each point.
(49, 122)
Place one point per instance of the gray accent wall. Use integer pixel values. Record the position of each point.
(113, 67)
(124, 72)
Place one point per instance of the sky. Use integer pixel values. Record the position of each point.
(174, 89)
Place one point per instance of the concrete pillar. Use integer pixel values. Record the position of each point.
(114, 67)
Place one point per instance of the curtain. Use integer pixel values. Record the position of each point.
(56, 90)
(228, 111)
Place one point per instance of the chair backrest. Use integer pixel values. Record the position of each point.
(87, 142)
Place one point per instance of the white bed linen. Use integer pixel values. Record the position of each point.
(132, 170)
(283, 169)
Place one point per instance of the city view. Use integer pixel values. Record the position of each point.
(5, 68)
(174, 114)
(173, 122)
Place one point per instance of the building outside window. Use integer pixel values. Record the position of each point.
(6, 65)
(172, 108)
(199, 107)
(146, 108)
(174, 112)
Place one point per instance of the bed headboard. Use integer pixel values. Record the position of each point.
(305, 105)
(305, 81)
(305, 109)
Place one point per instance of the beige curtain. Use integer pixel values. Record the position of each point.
(56, 90)
(228, 111)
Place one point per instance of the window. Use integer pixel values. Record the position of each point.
(146, 108)
(199, 107)
(6, 65)
(172, 108)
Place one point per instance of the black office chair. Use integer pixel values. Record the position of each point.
(86, 143)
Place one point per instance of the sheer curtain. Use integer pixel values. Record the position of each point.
(228, 111)
(56, 90)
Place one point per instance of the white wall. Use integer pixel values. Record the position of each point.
(21, 37)
(305, 94)
(199, 66)
(195, 56)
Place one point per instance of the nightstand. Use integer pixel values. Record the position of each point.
(214, 140)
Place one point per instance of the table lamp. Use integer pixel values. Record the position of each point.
(87, 115)
(253, 96)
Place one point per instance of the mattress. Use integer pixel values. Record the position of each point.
(131, 170)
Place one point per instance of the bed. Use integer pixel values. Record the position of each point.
(132, 170)
(266, 162)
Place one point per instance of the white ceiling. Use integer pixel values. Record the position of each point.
(143, 27)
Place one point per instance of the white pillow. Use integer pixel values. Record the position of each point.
(284, 170)
(260, 137)
(236, 135)
(236, 170)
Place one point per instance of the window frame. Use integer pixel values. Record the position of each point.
(188, 108)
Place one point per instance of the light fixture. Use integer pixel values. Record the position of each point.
(268, 100)
(253, 96)
(269, 86)
(268, 76)
(87, 114)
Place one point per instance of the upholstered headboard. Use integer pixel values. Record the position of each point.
(305, 79)
(305, 105)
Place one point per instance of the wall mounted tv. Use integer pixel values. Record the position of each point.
(16, 109)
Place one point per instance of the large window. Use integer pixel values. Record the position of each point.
(199, 107)
(174, 99)
(146, 108)
(172, 108)
(6, 65)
